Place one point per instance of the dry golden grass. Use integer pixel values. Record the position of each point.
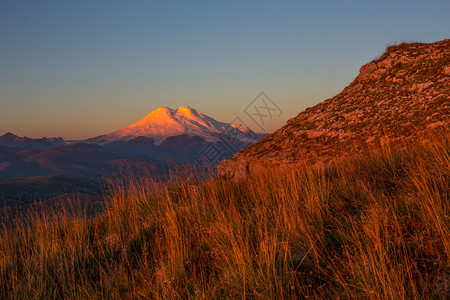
(375, 227)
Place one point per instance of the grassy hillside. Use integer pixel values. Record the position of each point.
(373, 227)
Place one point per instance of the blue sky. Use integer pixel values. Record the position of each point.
(77, 69)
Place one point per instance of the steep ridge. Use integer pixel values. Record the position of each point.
(165, 122)
(394, 100)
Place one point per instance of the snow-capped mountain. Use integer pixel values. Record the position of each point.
(165, 122)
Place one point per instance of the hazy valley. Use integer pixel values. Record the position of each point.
(38, 169)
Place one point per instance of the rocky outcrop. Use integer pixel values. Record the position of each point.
(394, 100)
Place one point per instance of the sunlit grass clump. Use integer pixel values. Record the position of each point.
(374, 227)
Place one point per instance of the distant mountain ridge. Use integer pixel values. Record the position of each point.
(14, 141)
(159, 125)
(394, 100)
(164, 136)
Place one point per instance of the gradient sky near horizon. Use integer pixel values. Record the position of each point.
(78, 69)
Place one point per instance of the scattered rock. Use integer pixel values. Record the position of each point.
(370, 140)
(385, 64)
(436, 124)
(447, 70)
(366, 70)
(421, 86)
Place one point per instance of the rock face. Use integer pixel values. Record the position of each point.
(394, 100)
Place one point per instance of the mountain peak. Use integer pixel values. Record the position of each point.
(185, 108)
(187, 111)
(166, 122)
(163, 110)
(9, 135)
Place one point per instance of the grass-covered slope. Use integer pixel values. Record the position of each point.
(373, 227)
(394, 100)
